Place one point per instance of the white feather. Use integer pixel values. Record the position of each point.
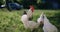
(28, 24)
(29, 13)
(48, 27)
(40, 18)
(24, 19)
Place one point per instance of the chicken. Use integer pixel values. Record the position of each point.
(27, 23)
(48, 27)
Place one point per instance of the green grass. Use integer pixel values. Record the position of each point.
(10, 21)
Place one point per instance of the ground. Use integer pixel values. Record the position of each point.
(11, 21)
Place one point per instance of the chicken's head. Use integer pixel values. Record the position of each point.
(32, 8)
(42, 20)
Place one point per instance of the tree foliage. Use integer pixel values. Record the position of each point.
(1, 2)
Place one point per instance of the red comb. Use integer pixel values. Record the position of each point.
(32, 8)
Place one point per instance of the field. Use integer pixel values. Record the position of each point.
(10, 21)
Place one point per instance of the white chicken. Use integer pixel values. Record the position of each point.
(30, 12)
(27, 23)
(47, 27)
(40, 19)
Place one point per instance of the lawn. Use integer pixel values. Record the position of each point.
(10, 21)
